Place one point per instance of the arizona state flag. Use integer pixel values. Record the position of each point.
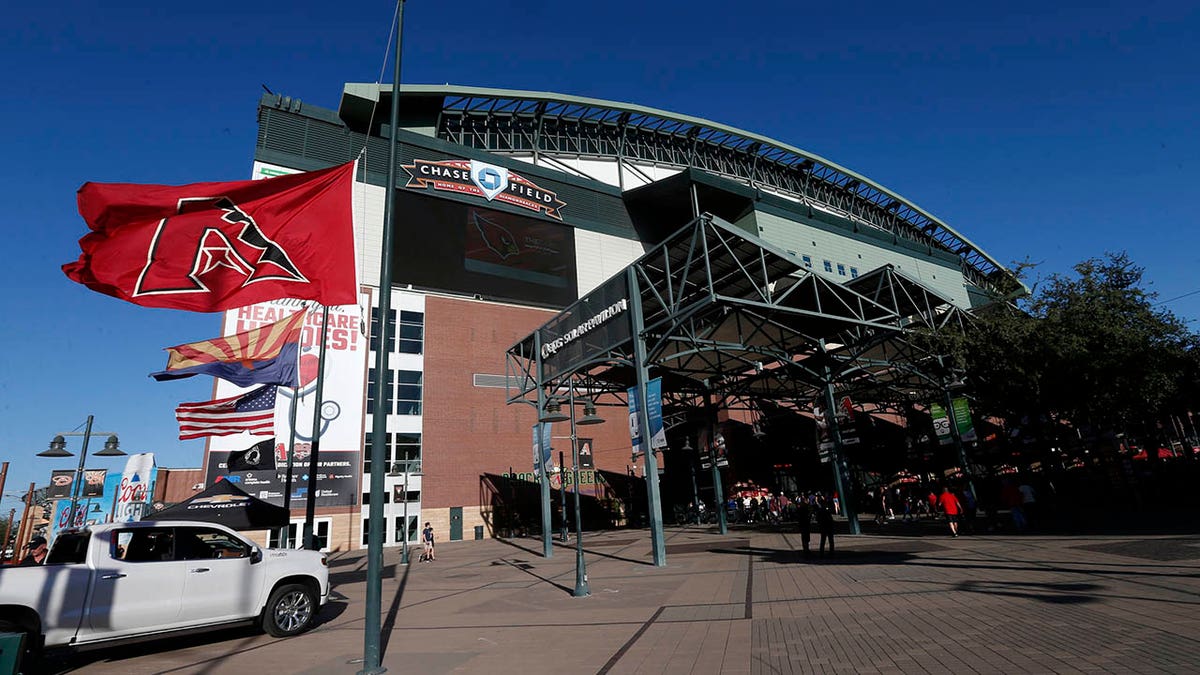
(266, 355)
(208, 247)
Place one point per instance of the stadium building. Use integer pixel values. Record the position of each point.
(511, 206)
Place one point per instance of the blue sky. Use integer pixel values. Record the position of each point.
(1050, 132)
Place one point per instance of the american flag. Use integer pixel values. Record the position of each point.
(253, 412)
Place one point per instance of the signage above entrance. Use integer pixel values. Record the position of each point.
(493, 183)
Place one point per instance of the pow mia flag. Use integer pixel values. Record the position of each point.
(258, 457)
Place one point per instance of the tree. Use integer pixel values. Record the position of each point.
(1089, 349)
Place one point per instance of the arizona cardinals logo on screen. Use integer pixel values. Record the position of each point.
(496, 236)
(229, 251)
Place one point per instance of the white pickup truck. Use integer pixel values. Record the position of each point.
(133, 580)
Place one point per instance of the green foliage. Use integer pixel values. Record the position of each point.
(1089, 348)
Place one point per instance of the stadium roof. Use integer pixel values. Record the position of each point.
(544, 123)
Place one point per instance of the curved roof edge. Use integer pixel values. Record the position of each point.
(373, 91)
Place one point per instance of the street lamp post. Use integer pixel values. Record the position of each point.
(687, 450)
(58, 448)
(562, 492)
(403, 530)
(553, 414)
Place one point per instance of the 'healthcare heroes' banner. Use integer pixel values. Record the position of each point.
(658, 435)
(262, 471)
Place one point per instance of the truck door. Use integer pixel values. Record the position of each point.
(219, 581)
(138, 583)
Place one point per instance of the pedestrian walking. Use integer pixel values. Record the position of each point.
(953, 509)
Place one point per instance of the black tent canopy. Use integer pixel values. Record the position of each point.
(227, 504)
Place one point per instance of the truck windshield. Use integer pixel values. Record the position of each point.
(69, 548)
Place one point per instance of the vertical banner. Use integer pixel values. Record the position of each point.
(824, 432)
(941, 424)
(62, 482)
(705, 450)
(720, 452)
(93, 482)
(585, 454)
(133, 497)
(541, 447)
(847, 421)
(962, 419)
(658, 435)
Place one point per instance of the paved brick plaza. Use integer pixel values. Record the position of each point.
(744, 603)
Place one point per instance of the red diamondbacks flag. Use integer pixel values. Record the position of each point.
(253, 412)
(208, 247)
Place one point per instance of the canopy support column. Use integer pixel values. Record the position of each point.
(658, 545)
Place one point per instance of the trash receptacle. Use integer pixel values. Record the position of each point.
(11, 646)
(478, 532)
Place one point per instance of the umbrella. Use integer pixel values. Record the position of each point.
(227, 504)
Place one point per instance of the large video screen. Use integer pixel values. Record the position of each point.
(449, 246)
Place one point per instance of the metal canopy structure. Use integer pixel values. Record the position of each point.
(723, 316)
(728, 313)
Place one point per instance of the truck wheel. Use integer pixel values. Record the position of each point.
(290, 610)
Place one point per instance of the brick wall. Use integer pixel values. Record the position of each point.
(469, 430)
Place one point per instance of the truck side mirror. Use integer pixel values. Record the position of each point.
(255, 555)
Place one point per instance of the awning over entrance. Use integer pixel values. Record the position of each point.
(725, 312)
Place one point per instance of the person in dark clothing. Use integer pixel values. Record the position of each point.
(37, 552)
(825, 525)
(804, 518)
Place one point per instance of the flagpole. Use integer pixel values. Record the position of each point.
(284, 538)
(310, 540)
(372, 627)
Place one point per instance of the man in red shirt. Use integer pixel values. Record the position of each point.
(952, 508)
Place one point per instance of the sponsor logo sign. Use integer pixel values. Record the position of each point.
(480, 179)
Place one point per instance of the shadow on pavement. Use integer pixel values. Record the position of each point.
(528, 569)
(839, 557)
(1053, 593)
(390, 621)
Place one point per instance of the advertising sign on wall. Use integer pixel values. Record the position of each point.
(337, 476)
(263, 474)
(593, 325)
(480, 179)
(137, 484)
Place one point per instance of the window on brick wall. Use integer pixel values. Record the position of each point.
(408, 392)
(376, 330)
(412, 332)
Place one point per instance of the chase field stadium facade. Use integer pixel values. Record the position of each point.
(512, 205)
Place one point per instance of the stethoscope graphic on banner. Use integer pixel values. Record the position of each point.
(330, 410)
